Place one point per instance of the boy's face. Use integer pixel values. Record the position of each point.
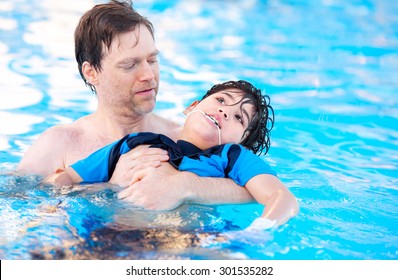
(224, 113)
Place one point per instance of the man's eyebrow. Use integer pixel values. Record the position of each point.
(154, 53)
(136, 59)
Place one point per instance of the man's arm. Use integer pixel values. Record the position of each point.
(210, 190)
(45, 156)
(165, 188)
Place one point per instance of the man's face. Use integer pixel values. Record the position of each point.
(129, 77)
(220, 114)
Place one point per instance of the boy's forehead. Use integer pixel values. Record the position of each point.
(233, 93)
(237, 95)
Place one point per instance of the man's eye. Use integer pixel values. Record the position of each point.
(128, 67)
(153, 61)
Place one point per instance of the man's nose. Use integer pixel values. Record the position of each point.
(146, 71)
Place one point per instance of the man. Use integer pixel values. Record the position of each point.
(117, 58)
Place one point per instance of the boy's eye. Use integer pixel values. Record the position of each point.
(220, 99)
(239, 118)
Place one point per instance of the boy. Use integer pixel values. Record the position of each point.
(219, 132)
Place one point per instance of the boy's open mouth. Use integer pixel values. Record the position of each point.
(213, 119)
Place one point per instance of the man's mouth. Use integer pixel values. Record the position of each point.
(144, 91)
(214, 120)
(147, 89)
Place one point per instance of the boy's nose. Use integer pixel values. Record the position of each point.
(223, 113)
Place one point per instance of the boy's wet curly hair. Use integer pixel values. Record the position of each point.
(257, 135)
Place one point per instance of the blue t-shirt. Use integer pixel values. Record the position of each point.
(226, 161)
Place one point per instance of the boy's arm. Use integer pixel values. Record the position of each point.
(281, 204)
(63, 177)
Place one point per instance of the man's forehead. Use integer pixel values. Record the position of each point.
(131, 38)
(125, 40)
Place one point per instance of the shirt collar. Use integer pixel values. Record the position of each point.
(188, 148)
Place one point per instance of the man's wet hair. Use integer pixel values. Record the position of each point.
(257, 135)
(99, 26)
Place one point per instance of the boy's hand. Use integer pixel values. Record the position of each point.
(258, 232)
(261, 224)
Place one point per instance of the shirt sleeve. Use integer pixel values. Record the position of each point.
(246, 165)
(94, 168)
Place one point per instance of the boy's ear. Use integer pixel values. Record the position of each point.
(190, 108)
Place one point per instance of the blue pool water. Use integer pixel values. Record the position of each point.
(331, 69)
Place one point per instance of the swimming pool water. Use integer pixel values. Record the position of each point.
(330, 68)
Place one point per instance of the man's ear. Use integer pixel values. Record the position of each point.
(90, 74)
(190, 108)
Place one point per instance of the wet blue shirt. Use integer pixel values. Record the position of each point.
(226, 161)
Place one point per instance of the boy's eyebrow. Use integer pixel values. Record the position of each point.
(227, 94)
(247, 115)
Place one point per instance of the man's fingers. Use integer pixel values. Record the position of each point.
(137, 175)
(145, 151)
(125, 193)
(137, 159)
(146, 155)
(151, 158)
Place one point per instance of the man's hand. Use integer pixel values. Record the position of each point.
(158, 188)
(137, 159)
(165, 188)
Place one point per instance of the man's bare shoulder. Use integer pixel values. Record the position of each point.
(55, 148)
(47, 153)
(62, 134)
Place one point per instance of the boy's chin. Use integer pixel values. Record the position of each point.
(206, 143)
